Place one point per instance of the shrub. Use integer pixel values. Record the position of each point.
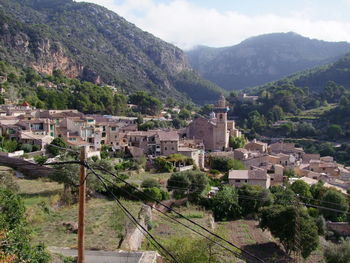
(162, 165)
(149, 183)
(152, 193)
(338, 253)
(27, 148)
(39, 159)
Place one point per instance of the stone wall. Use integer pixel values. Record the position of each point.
(135, 236)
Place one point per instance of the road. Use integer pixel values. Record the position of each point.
(92, 256)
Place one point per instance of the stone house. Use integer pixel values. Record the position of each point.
(256, 146)
(254, 176)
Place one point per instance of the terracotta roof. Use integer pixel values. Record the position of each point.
(168, 135)
(25, 104)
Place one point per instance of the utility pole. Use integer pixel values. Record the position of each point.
(82, 197)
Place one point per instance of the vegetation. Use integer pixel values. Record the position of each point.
(188, 183)
(224, 164)
(338, 253)
(15, 235)
(225, 204)
(237, 142)
(293, 226)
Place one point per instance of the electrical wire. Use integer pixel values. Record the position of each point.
(176, 220)
(182, 216)
(133, 219)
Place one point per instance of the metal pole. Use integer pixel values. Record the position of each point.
(82, 197)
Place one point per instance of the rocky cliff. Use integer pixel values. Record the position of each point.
(89, 42)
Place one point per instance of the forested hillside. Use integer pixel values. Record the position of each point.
(89, 42)
(262, 59)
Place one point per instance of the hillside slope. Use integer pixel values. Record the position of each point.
(262, 59)
(89, 42)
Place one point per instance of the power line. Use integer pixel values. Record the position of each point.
(132, 218)
(182, 216)
(176, 220)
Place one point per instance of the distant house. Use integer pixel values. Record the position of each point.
(254, 176)
(256, 146)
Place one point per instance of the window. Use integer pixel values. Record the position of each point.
(172, 148)
(237, 181)
(113, 128)
(103, 134)
(221, 116)
(246, 181)
(37, 126)
(166, 148)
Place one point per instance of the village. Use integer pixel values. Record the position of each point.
(265, 165)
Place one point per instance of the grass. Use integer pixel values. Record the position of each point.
(139, 177)
(315, 113)
(165, 227)
(102, 231)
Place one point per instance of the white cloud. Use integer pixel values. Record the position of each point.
(187, 25)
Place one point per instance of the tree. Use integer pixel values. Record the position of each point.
(293, 226)
(190, 183)
(185, 114)
(224, 164)
(225, 205)
(15, 235)
(334, 199)
(334, 131)
(252, 198)
(178, 183)
(283, 195)
(302, 189)
(120, 104)
(162, 165)
(237, 142)
(338, 253)
(51, 148)
(146, 104)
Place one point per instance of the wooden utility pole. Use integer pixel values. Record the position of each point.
(82, 197)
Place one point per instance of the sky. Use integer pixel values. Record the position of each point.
(218, 23)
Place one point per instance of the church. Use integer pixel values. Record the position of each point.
(215, 131)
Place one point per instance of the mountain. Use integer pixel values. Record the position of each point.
(89, 42)
(319, 78)
(262, 59)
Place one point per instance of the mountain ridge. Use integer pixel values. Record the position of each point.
(92, 43)
(262, 59)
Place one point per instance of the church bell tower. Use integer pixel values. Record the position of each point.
(221, 134)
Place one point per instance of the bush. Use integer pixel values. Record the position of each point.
(27, 148)
(338, 253)
(165, 195)
(152, 193)
(39, 159)
(150, 183)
